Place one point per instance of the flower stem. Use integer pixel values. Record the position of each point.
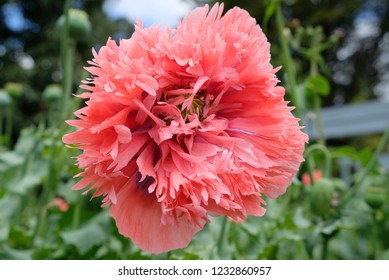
(319, 123)
(76, 216)
(324, 252)
(67, 61)
(221, 236)
(1, 128)
(288, 60)
(317, 104)
(52, 177)
(48, 187)
(8, 126)
(327, 160)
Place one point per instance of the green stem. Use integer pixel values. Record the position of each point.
(68, 80)
(8, 126)
(319, 122)
(67, 49)
(288, 60)
(317, 104)
(48, 187)
(76, 215)
(221, 236)
(324, 252)
(67, 61)
(1, 128)
(314, 67)
(327, 160)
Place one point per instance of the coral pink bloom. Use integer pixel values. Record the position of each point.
(184, 124)
(317, 175)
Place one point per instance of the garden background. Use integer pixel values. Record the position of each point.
(333, 53)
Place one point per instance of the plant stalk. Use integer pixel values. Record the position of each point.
(288, 60)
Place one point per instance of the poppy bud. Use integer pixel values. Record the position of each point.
(375, 197)
(15, 90)
(79, 24)
(321, 194)
(52, 93)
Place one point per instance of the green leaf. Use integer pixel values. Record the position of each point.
(26, 183)
(191, 256)
(318, 84)
(345, 151)
(93, 233)
(9, 160)
(331, 228)
(269, 12)
(19, 237)
(299, 219)
(26, 142)
(4, 231)
(65, 190)
(8, 253)
(10, 206)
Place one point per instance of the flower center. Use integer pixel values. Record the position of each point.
(196, 108)
(145, 183)
(188, 103)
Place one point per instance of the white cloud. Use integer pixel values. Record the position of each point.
(156, 12)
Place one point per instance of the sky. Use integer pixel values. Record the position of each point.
(166, 12)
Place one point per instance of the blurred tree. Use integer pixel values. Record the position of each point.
(359, 63)
(29, 46)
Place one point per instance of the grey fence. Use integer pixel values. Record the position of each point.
(368, 118)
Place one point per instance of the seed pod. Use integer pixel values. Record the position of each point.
(15, 90)
(79, 24)
(321, 194)
(375, 197)
(52, 93)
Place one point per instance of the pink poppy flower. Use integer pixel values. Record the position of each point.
(184, 124)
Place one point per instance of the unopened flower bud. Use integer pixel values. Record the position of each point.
(15, 90)
(79, 24)
(52, 93)
(375, 197)
(321, 194)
